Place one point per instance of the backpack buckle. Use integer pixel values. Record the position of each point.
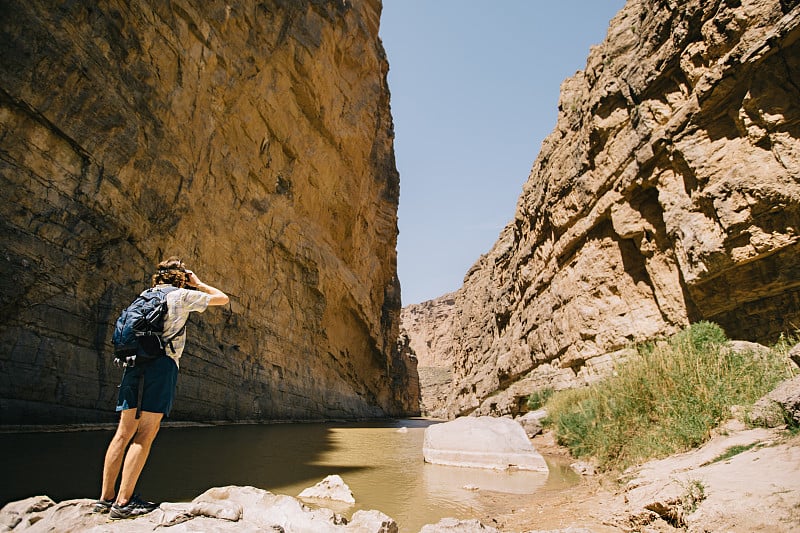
(127, 362)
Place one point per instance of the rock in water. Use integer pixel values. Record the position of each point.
(332, 487)
(481, 442)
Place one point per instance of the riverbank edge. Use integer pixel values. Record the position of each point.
(110, 426)
(755, 489)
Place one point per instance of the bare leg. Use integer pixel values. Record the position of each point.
(116, 452)
(145, 432)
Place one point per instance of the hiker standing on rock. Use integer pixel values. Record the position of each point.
(159, 378)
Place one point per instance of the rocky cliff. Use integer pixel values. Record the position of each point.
(427, 328)
(668, 193)
(252, 139)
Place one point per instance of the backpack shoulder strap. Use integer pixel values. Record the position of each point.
(163, 290)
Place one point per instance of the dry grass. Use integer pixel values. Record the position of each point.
(666, 400)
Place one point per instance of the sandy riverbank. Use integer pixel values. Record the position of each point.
(755, 490)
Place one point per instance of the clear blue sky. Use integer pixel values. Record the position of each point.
(475, 89)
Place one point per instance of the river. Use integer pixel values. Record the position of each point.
(381, 462)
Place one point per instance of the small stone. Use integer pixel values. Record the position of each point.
(583, 468)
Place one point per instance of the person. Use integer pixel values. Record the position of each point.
(160, 378)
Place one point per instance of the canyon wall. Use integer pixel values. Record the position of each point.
(252, 139)
(426, 327)
(668, 193)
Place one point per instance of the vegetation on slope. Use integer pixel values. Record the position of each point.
(665, 400)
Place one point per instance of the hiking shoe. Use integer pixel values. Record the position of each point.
(135, 507)
(102, 506)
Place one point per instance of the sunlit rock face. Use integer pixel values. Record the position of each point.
(427, 329)
(252, 139)
(668, 193)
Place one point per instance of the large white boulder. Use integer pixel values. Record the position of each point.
(481, 442)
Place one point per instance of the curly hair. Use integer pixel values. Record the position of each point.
(171, 272)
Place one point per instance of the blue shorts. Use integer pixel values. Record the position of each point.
(160, 378)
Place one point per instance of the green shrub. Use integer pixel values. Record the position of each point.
(538, 398)
(694, 493)
(732, 451)
(666, 400)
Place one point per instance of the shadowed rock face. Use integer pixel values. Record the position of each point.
(254, 140)
(427, 329)
(667, 194)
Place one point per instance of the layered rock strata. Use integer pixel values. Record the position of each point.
(667, 194)
(252, 139)
(426, 330)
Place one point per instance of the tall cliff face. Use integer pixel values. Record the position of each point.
(668, 193)
(254, 140)
(427, 328)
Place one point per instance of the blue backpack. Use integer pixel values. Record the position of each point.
(138, 333)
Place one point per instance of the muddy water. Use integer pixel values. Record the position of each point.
(380, 461)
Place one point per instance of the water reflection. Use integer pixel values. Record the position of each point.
(381, 462)
(445, 480)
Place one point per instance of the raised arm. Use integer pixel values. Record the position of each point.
(217, 296)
